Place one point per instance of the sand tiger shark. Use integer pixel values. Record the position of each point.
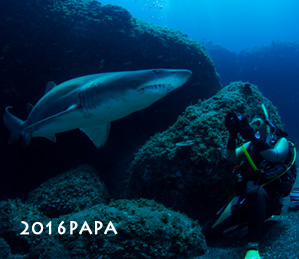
(90, 103)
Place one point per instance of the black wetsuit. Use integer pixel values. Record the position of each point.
(260, 203)
(258, 206)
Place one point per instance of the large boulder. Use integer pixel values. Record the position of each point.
(185, 166)
(140, 229)
(68, 192)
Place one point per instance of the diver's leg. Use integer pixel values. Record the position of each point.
(256, 215)
(261, 206)
(227, 217)
(256, 212)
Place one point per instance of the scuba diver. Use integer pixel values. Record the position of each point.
(265, 173)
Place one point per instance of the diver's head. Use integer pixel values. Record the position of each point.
(258, 125)
(261, 123)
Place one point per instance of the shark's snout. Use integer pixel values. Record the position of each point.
(178, 77)
(183, 74)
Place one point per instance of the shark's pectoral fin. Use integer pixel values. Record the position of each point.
(53, 117)
(98, 134)
(51, 138)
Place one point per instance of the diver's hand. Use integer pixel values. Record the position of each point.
(245, 130)
(231, 123)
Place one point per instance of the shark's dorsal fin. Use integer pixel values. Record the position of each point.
(49, 86)
(29, 107)
(98, 134)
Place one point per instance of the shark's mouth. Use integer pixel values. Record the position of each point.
(157, 87)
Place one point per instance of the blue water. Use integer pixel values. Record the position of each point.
(233, 24)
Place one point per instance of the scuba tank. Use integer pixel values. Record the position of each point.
(294, 196)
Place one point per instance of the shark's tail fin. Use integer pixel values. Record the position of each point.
(14, 125)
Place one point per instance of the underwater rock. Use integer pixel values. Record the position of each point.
(71, 191)
(145, 229)
(195, 179)
(5, 251)
(13, 212)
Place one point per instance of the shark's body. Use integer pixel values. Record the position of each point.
(91, 102)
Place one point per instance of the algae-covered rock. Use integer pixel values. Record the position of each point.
(5, 251)
(13, 212)
(145, 229)
(195, 178)
(68, 192)
(140, 229)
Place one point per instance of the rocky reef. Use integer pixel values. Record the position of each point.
(139, 228)
(185, 167)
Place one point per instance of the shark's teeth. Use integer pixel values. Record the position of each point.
(156, 86)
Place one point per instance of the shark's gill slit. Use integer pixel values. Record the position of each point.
(83, 100)
(88, 98)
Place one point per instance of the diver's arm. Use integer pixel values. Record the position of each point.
(231, 153)
(230, 124)
(237, 154)
(278, 153)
